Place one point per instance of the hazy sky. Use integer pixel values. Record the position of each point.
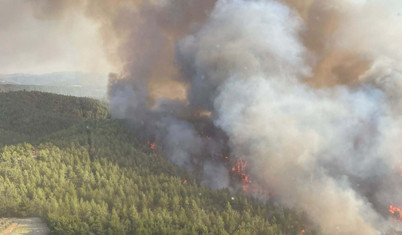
(29, 44)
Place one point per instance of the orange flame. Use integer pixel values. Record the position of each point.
(240, 170)
(395, 211)
(303, 231)
(151, 145)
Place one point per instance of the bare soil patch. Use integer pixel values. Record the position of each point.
(28, 226)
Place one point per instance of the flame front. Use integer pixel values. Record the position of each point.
(396, 212)
(239, 169)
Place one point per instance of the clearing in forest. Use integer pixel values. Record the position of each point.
(29, 226)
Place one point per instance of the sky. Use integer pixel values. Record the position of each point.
(30, 44)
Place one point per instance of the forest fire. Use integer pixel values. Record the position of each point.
(237, 167)
(241, 167)
(297, 95)
(396, 212)
(151, 145)
(239, 170)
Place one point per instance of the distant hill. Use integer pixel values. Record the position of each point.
(29, 115)
(64, 160)
(65, 83)
(93, 92)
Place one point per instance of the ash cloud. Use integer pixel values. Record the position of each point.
(308, 92)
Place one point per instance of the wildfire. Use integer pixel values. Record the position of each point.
(396, 212)
(151, 145)
(239, 169)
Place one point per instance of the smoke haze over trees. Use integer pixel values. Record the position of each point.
(92, 176)
(306, 92)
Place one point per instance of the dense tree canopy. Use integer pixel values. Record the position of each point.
(28, 116)
(86, 174)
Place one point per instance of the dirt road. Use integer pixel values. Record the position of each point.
(29, 226)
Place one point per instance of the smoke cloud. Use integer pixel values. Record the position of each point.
(307, 92)
(44, 37)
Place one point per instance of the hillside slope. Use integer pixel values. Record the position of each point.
(26, 116)
(87, 174)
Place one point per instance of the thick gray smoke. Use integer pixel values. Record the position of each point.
(48, 36)
(307, 92)
(310, 146)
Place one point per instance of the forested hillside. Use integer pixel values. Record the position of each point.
(28, 116)
(86, 174)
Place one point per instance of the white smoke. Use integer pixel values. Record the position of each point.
(317, 148)
(215, 175)
(308, 92)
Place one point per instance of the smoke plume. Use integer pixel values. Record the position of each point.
(307, 92)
